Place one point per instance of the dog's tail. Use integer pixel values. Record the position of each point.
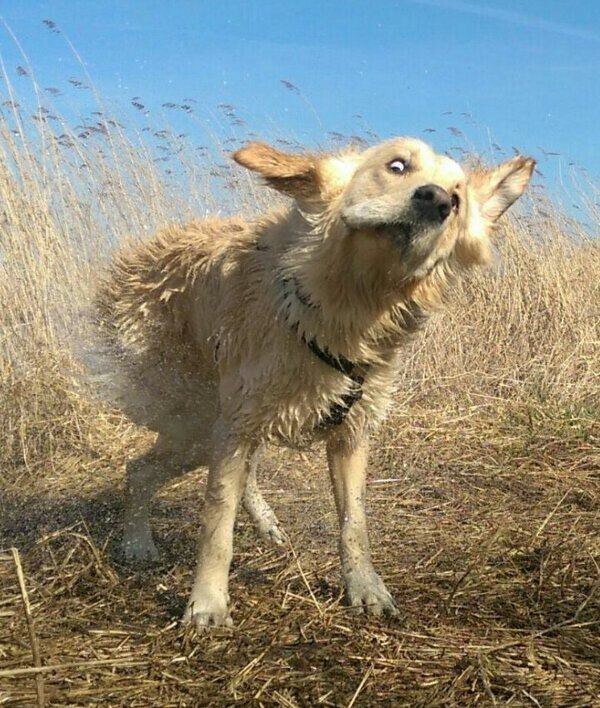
(107, 366)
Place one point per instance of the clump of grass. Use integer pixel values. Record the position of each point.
(485, 479)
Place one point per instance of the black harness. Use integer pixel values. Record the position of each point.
(338, 411)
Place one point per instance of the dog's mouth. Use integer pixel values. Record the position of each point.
(401, 229)
(409, 239)
(404, 230)
(404, 235)
(399, 232)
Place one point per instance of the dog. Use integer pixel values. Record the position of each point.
(226, 335)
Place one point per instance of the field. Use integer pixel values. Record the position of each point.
(484, 484)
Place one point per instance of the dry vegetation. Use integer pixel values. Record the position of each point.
(484, 483)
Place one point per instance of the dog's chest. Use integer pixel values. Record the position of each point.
(289, 386)
(296, 399)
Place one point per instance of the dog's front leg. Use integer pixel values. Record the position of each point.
(366, 590)
(208, 604)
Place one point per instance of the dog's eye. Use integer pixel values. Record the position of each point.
(455, 199)
(398, 166)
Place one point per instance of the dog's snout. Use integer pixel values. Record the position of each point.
(432, 202)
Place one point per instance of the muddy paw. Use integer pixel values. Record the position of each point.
(206, 610)
(367, 593)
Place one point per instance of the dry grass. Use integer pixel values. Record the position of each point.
(484, 484)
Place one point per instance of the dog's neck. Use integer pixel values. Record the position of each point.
(346, 288)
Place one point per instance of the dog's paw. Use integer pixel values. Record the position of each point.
(264, 520)
(367, 593)
(139, 548)
(272, 533)
(207, 609)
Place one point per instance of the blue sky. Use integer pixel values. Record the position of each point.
(525, 72)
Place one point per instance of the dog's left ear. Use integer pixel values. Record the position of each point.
(497, 189)
(293, 174)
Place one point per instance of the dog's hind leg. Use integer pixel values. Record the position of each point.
(263, 517)
(366, 590)
(169, 458)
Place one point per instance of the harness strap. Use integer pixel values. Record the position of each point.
(338, 411)
(341, 364)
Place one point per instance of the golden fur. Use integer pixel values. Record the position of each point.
(167, 304)
(201, 323)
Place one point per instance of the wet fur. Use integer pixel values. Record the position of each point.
(198, 323)
(203, 301)
(170, 314)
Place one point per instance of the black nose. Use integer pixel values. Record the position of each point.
(432, 202)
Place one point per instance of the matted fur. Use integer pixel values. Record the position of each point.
(209, 321)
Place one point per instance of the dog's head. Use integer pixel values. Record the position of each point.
(401, 191)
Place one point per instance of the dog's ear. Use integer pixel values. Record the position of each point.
(497, 189)
(295, 175)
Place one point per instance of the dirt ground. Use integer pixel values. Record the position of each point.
(493, 562)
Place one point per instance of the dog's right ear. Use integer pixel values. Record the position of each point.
(294, 175)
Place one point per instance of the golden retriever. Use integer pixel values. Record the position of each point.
(224, 335)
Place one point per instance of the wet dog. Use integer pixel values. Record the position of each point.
(224, 335)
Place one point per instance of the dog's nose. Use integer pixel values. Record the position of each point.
(432, 202)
